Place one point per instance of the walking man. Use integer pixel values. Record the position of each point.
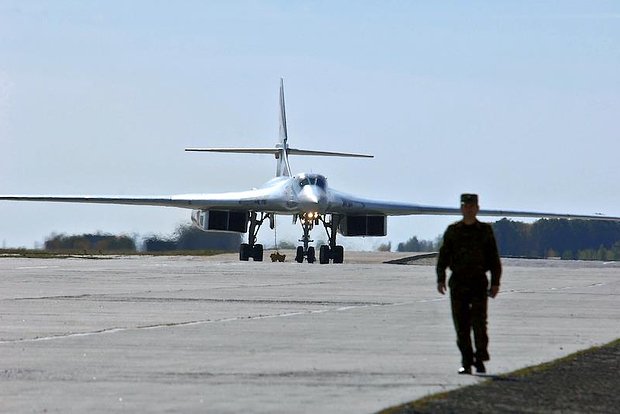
(469, 250)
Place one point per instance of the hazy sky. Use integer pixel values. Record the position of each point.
(517, 101)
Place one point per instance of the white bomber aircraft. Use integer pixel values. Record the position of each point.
(305, 196)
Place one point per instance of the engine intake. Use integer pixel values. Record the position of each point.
(221, 220)
(363, 226)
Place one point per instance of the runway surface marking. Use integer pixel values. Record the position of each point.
(348, 307)
(36, 267)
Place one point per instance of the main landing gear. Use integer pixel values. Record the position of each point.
(251, 248)
(326, 252)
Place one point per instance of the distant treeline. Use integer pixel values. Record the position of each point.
(90, 243)
(415, 245)
(568, 239)
(185, 238)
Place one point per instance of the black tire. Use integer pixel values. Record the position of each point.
(338, 254)
(258, 253)
(299, 257)
(324, 254)
(311, 255)
(244, 252)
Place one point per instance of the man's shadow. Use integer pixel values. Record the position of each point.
(498, 378)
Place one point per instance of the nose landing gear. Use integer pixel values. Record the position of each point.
(307, 221)
(326, 252)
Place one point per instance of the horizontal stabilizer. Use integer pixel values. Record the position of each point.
(293, 151)
(236, 150)
(276, 150)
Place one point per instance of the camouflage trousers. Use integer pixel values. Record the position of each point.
(469, 312)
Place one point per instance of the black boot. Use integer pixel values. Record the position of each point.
(465, 370)
(480, 368)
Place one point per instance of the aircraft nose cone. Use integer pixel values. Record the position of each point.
(312, 198)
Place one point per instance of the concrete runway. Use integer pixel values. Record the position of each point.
(194, 334)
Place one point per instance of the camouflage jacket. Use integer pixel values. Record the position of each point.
(469, 250)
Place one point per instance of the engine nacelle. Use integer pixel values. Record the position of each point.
(363, 226)
(221, 220)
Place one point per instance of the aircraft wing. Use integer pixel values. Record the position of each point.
(242, 200)
(346, 204)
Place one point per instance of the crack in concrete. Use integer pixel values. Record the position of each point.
(110, 298)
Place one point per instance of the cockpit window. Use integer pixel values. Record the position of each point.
(314, 179)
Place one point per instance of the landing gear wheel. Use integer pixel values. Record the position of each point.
(311, 255)
(244, 252)
(251, 248)
(338, 254)
(299, 257)
(324, 254)
(258, 253)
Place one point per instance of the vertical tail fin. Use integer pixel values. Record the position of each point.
(283, 131)
(283, 167)
(282, 150)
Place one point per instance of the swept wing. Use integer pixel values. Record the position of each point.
(348, 204)
(242, 200)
